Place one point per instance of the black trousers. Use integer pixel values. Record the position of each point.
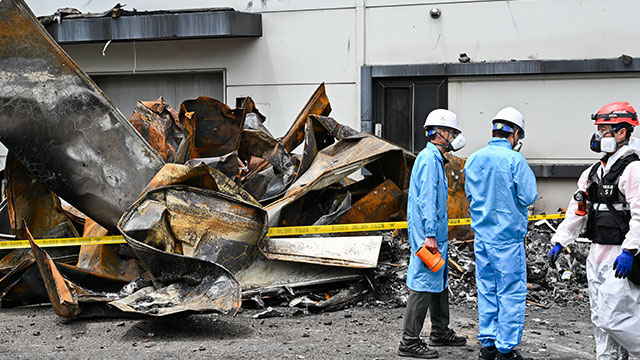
(417, 306)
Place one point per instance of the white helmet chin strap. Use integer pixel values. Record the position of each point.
(518, 146)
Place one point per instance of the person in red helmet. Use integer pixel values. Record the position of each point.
(611, 220)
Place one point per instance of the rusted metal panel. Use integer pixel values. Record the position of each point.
(105, 259)
(457, 202)
(350, 251)
(62, 127)
(30, 203)
(211, 127)
(159, 125)
(61, 292)
(318, 104)
(379, 205)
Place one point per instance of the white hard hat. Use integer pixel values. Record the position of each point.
(511, 115)
(442, 118)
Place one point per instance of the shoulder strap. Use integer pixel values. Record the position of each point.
(611, 177)
(619, 166)
(592, 174)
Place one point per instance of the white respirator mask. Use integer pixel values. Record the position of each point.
(457, 142)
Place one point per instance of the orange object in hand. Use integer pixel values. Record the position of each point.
(433, 261)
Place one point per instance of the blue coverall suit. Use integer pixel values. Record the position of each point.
(500, 186)
(427, 217)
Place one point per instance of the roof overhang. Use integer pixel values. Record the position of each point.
(157, 26)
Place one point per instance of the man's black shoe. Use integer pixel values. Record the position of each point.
(417, 350)
(488, 353)
(513, 355)
(448, 338)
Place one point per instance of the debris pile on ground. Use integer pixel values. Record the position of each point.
(566, 284)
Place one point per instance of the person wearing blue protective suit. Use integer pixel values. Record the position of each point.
(500, 186)
(427, 222)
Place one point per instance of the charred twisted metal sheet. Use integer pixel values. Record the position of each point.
(201, 176)
(205, 230)
(333, 127)
(62, 293)
(229, 164)
(200, 223)
(62, 127)
(318, 104)
(260, 144)
(106, 260)
(31, 204)
(158, 123)
(319, 133)
(334, 163)
(188, 238)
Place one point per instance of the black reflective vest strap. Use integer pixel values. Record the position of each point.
(608, 227)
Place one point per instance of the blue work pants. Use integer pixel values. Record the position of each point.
(501, 279)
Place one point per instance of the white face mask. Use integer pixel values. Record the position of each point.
(457, 142)
(607, 144)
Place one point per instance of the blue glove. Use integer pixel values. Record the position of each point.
(623, 263)
(553, 254)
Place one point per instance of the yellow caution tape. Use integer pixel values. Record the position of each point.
(544, 217)
(98, 240)
(341, 228)
(274, 231)
(326, 229)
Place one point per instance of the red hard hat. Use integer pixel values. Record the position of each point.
(616, 113)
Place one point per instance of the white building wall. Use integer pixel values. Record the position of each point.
(498, 30)
(557, 111)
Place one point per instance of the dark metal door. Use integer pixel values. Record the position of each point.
(402, 104)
